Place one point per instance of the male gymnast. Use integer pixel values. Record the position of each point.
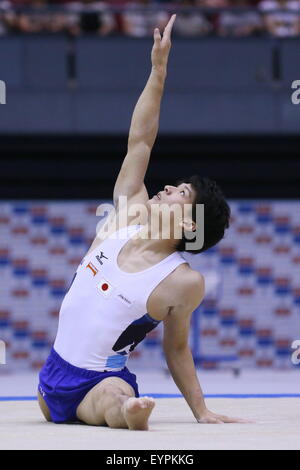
(126, 285)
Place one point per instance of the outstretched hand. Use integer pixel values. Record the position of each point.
(162, 45)
(212, 418)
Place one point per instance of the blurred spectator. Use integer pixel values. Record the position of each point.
(17, 3)
(212, 3)
(190, 23)
(213, 17)
(142, 22)
(37, 20)
(89, 16)
(7, 17)
(239, 23)
(281, 24)
(140, 17)
(57, 2)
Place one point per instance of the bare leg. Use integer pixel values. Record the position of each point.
(44, 407)
(112, 403)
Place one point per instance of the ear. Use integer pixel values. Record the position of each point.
(188, 225)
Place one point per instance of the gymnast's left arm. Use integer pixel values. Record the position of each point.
(178, 354)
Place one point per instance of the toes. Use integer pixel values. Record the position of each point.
(148, 401)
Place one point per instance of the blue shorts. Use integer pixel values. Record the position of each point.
(63, 386)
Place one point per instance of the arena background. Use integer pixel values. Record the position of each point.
(226, 113)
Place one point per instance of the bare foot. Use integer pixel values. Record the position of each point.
(136, 412)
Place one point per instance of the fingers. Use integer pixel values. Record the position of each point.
(167, 30)
(220, 419)
(227, 419)
(170, 23)
(217, 421)
(240, 420)
(169, 26)
(157, 36)
(210, 420)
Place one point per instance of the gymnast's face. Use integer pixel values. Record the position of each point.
(182, 194)
(178, 200)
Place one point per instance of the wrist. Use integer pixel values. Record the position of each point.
(160, 70)
(200, 412)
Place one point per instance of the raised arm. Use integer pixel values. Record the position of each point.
(145, 121)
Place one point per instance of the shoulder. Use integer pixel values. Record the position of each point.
(184, 275)
(188, 285)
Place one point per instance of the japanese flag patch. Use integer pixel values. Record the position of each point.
(105, 287)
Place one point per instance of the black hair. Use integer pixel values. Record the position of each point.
(216, 211)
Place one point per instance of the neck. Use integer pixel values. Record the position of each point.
(156, 241)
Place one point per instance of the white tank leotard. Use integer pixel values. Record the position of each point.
(103, 315)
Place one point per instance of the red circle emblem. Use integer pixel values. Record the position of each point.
(104, 286)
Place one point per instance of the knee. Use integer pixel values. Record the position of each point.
(109, 391)
(108, 396)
